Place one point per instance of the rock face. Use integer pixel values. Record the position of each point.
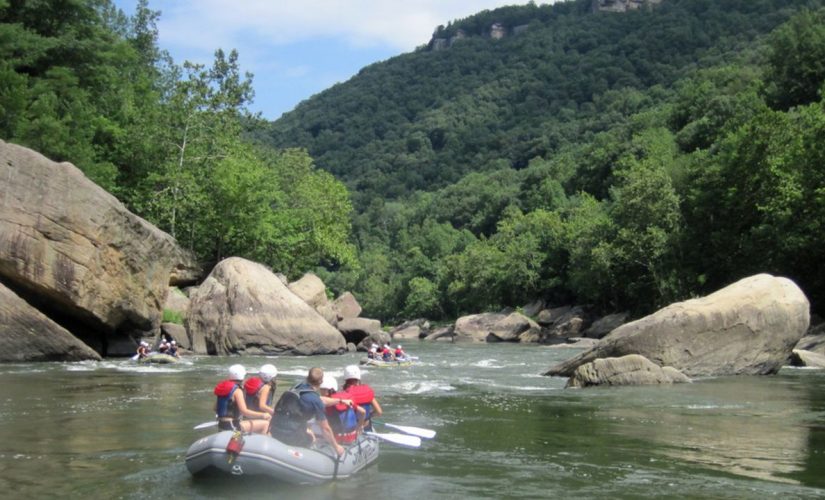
(242, 307)
(28, 335)
(627, 370)
(605, 325)
(814, 340)
(311, 290)
(748, 327)
(74, 252)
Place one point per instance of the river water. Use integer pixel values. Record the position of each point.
(114, 429)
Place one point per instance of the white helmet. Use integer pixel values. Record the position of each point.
(352, 371)
(399, 346)
(329, 382)
(268, 372)
(144, 343)
(237, 372)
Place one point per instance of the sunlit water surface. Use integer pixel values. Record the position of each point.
(114, 429)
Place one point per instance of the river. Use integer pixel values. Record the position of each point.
(114, 429)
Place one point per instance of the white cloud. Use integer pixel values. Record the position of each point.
(401, 24)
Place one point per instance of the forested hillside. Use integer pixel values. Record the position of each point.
(623, 160)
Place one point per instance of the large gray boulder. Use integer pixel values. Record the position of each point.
(311, 289)
(75, 252)
(346, 306)
(627, 370)
(475, 327)
(515, 327)
(28, 335)
(605, 325)
(242, 307)
(749, 327)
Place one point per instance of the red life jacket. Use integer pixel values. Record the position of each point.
(226, 407)
(360, 394)
(251, 388)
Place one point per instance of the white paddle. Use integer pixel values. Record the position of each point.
(399, 439)
(205, 425)
(415, 431)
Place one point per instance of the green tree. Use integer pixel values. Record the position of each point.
(796, 60)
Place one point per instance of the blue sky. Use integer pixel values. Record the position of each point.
(298, 48)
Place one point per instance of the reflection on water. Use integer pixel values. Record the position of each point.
(114, 429)
(739, 425)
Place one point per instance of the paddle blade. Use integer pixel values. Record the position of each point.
(205, 425)
(399, 439)
(415, 431)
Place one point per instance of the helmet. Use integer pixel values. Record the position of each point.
(268, 372)
(399, 346)
(237, 372)
(329, 382)
(144, 343)
(352, 371)
(176, 343)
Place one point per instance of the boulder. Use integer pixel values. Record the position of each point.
(515, 327)
(28, 335)
(627, 370)
(176, 332)
(346, 306)
(533, 308)
(73, 251)
(311, 290)
(242, 307)
(807, 358)
(410, 333)
(443, 333)
(363, 332)
(476, 327)
(562, 322)
(748, 327)
(606, 324)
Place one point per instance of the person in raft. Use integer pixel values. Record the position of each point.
(173, 349)
(361, 394)
(259, 391)
(231, 405)
(296, 407)
(143, 349)
(400, 355)
(346, 420)
(386, 353)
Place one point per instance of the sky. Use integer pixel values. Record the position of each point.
(297, 48)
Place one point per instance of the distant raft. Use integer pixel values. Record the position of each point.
(160, 358)
(263, 455)
(379, 363)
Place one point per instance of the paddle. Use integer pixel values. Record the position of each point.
(399, 439)
(415, 431)
(205, 425)
(135, 357)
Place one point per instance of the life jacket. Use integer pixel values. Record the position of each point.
(399, 353)
(289, 417)
(362, 395)
(226, 406)
(172, 350)
(252, 386)
(342, 419)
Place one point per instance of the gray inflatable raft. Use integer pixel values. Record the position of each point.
(263, 455)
